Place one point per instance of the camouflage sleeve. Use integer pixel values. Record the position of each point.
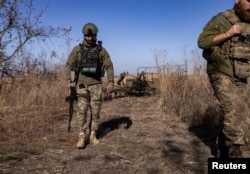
(71, 59)
(107, 64)
(211, 29)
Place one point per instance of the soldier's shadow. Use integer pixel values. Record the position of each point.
(207, 129)
(112, 124)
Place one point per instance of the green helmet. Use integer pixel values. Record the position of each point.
(89, 28)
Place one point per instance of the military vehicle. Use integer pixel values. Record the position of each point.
(141, 84)
(144, 82)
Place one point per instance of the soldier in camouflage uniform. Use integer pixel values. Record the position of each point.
(85, 67)
(226, 47)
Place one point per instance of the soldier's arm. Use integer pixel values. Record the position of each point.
(215, 32)
(70, 61)
(108, 65)
(207, 38)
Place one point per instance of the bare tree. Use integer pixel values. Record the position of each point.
(160, 57)
(21, 25)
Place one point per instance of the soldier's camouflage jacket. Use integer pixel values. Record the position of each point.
(75, 56)
(220, 58)
(216, 60)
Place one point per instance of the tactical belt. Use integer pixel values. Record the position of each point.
(81, 85)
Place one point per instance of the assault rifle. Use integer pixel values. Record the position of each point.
(71, 98)
(73, 95)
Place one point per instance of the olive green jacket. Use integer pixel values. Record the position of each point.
(217, 57)
(90, 80)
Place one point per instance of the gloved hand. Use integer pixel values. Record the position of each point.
(110, 87)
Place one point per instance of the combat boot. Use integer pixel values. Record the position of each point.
(223, 151)
(235, 151)
(93, 138)
(82, 141)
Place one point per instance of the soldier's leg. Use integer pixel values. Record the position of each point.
(227, 92)
(242, 111)
(95, 103)
(223, 149)
(234, 126)
(82, 108)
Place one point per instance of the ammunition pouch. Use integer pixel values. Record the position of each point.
(89, 70)
(240, 51)
(239, 46)
(93, 69)
(242, 69)
(89, 62)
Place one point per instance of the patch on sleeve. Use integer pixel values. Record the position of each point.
(206, 26)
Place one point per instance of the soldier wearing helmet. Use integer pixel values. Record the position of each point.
(226, 47)
(90, 31)
(85, 66)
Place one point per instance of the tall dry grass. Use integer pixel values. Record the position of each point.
(189, 98)
(30, 106)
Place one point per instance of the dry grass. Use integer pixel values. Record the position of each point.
(30, 104)
(27, 106)
(189, 97)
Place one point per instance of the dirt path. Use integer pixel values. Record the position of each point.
(136, 138)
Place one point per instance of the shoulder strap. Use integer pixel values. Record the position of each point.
(99, 49)
(99, 45)
(230, 16)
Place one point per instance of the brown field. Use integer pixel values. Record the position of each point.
(170, 132)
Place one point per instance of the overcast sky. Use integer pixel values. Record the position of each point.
(134, 30)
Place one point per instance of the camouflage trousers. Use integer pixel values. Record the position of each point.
(232, 97)
(89, 97)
